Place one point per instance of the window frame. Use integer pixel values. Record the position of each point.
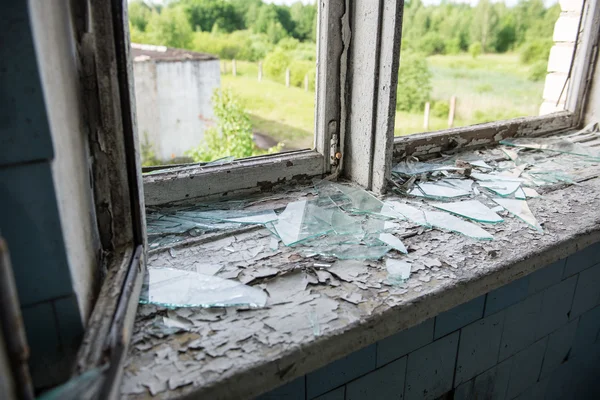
(252, 173)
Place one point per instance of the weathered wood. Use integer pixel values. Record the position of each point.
(254, 174)
(430, 144)
(387, 85)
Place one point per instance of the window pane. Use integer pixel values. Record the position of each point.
(222, 80)
(477, 61)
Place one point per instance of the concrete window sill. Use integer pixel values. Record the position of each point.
(235, 354)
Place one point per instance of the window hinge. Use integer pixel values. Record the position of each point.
(335, 155)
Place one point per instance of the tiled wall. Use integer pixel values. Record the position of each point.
(29, 219)
(535, 338)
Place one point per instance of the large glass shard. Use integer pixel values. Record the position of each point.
(407, 167)
(239, 216)
(179, 288)
(220, 161)
(495, 177)
(449, 222)
(350, 198)
(520, 209)
(530, 193)
(375, 225)
(503, 188)
(560, 145)
(520, 194)
(411, 213)
(436, 191)
(393, 242)
(464, 184)
(298, 222)
(340, 222)
(398, 270)
(481, 164)
(347, 251)
(471, 209)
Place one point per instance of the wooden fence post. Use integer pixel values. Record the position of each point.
(426, 117)
(260, 71)
(287, 77)
(452, 110)
(233, 68)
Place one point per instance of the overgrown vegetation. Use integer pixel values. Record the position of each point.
(232, 134)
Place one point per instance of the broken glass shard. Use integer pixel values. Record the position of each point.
(411, 213)
(85, 386)
(503, 188)
(393, 242)
(464, 184)
(530, 193)
(398, 270)
(340, 222)
(274, 244)
(449, 222)
(520, 209)
(350, 198)
(560, 145)
(481, 164)
(471, 209)
(298, 222)
(520, 194)
(494, 177)
(238, 216)
(416, 167)
(435, 191)
(179, 288)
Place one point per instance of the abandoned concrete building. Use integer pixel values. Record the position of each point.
(457, 264)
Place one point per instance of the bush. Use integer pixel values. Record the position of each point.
(298, 69)
(414, 82)
(233, 134)
(275, 65)
(440, 109)
(432, 43)
(538, 71)
(452, 46)
(475, 49)
(535, 50)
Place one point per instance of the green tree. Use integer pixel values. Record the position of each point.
(484, 24)
(232, 135)
(170, 28)
(414, 82)
(139, 14)
(304, 17)
(276, 63)
(204, 14)
(475, 49)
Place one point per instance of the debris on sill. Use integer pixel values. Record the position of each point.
(343, 222)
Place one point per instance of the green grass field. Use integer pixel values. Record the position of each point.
(491, 87)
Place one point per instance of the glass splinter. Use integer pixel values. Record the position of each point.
(449, 222)
(503, 188)
(520, 194)
(412, 213)
(530, 193)
(520, 209)
(471, 209)
(398, 271)
(179, 288)
(393, 242)
(298, 222)
(438, 191)
(559, 145)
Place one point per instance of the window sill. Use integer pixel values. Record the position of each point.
(244, 353)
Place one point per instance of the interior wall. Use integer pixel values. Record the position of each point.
(57, 60)
(592, 113)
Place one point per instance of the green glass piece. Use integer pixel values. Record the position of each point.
(179, 288)
(435, 191)
(393, 242)
(84, 386)
(299, 222)
(495, 177)
(349, 198)
(520, 209)
(220, 161)
(503, 188)
(340, 222)
(464, 184)
(559, 145)
(411, 213)
(530, 192)
(449, 222)
(481, 164)
(472, 209)
(520, 194)
(398, 270)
